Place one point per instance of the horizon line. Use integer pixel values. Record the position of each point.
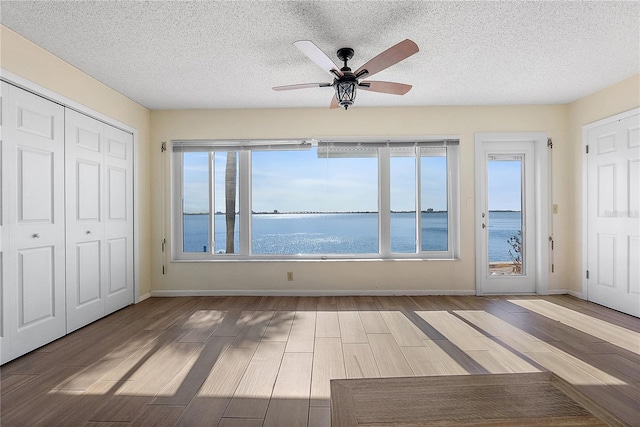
(276, 212)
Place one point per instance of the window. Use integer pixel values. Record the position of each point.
(306, 202)
(315, 199)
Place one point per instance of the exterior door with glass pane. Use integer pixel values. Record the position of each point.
(506, 254)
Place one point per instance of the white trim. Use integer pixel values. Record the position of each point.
(585, 181)
(145, 296)
(384, 202)
(175, 183)
(453, 193)
(575, 294)
(52, 96)
(565, 292)
(311, 293)
(558, 292)
(541, 186)
(245, 202)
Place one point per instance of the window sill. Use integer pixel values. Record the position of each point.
(325, 259)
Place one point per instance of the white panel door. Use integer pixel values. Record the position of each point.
(85, 219)
(99, 219)
(33, 293)
(613, 214)
(4, 191)
(118, 166)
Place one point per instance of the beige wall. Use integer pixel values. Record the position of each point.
(561, 122)
(620, 97)
(27, 60)
(357, 276)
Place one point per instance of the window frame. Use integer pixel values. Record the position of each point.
(244, 201)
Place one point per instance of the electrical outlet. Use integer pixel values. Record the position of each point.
(290, 276)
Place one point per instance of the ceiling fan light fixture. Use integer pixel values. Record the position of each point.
(346, 93)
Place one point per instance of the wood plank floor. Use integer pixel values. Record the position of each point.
(267, 361)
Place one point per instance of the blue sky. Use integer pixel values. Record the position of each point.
(295, 181)
(504, 185)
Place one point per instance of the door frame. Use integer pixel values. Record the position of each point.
(43, 92)
(541, 198)
(585, 190)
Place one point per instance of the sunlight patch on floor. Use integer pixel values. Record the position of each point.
(606, 331)
(489, 354)
(566, 366)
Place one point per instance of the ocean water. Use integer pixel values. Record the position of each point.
(344, 233)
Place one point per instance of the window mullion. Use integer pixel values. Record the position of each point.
(244, 201)
(418, 201)
(453, 193)
(179, 224)
(212, 195)
(384, 202)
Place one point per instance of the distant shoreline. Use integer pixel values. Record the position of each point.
(327, 213)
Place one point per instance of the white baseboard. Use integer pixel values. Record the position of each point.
(316, 293)
(565, 292)
(557, 291)
(144, 297)
(576, 294)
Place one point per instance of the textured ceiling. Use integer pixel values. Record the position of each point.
(210, 54)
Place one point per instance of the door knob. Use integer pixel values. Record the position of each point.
(36, 235)
(88, 231)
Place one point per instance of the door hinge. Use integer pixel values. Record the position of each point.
(164, 244)
(587, 148)
(587, 274)
(163, 147)
(550, 143)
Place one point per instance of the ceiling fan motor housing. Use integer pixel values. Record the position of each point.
(345, 54)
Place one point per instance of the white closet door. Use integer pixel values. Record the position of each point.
(4, 191)
(613, 216)
(99, 219)
(33, 294)
(85, 144)
(118, 166)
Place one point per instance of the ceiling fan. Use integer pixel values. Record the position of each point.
(346, 82)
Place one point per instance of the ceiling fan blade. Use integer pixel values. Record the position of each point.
(334, 103)
(385, 87)
(314, 53)
(389, 57)
(301, 86)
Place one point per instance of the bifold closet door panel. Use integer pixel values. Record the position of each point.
(4, 231)
(118, 166)
(86, 271)
(99, 182)
(33, 286)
